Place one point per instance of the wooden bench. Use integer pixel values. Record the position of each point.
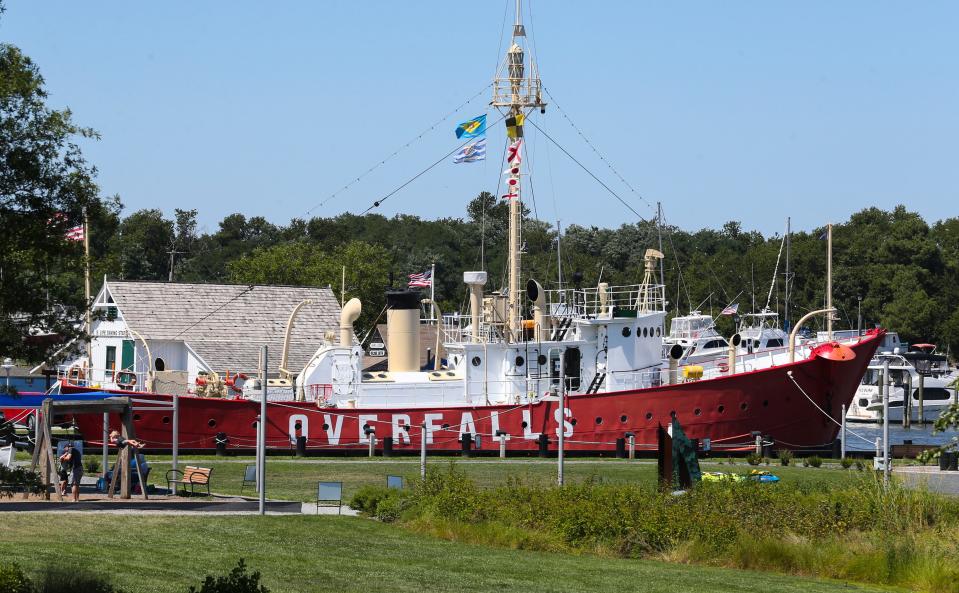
(192, 477)
(910, 451)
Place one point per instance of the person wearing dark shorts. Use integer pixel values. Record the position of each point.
(72, 462)
(121, 442)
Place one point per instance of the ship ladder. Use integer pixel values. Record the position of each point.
(598, 379)
(560, 332)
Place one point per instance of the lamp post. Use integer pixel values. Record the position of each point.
(859, 321)
(7, 365)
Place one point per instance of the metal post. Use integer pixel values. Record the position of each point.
(106, 448)
(829, 281)
(632, 446)
(423, 451)
(372, 438)
(859, 321)
(907, 401)
(922, 389)
(759, 444)
(176, 430)
(502, 446)
(261, 445)
(561, 433)
(842, 434)
(885, 422)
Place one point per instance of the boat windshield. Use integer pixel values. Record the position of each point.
(691, 326)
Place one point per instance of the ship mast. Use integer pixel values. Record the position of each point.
(517, 90)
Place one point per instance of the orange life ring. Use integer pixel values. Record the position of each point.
(723, 367)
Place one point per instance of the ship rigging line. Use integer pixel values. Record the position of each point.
(599, 154)
(208, 315)
(831, 419)
(377, 203)
(400, 149)
(591, 174)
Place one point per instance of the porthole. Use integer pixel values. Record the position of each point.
(541, 359)
(573, 421)
(477, 361)
(697, 412)
(645, 332)
(622, 418)
(406, 427)
(326, 426)
(626, 332)
(159, 365)
(520, 361)
(136, 417)
(211, 422)
(659, 332)
(743, 406)
(367, 375)
(721, 409)
(649, 415)
(366, 427)
(445, 425)
(298, 426)
(599, 420)
(166, 419)
(525, 424)
(436, 374)
(765, 403)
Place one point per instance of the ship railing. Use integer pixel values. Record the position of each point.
(321, 393)
(610, 301)
(80, 376)
(526, 91)
(456, 329)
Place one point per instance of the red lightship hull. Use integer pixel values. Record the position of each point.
(727, 410)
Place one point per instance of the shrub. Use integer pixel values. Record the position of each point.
(238, 581)
(753, 459)
(805, 462)
(385, 504)
(785, 456)
(860, 466)
(21, 479)
(815, 461)
(71, 579)
(92, 465)
(12, 580)
(730, 461)
(845, 462)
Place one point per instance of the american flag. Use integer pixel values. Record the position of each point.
(423, 280)
(730, 310)
(74, 233)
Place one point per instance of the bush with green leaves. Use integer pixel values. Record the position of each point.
(845, 463)
(814, 461)
(20, 479)
(12, 579)
(754, 459)
(385, 504)
(238, 581)
(72, 579)
(785, 456)
(91, 464)
(860, 466)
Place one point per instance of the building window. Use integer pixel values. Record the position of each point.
(111, 362)
(159, 365)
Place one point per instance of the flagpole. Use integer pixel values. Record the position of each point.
(86, 282)
(433, 292)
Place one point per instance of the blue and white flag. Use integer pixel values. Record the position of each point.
(472, 152)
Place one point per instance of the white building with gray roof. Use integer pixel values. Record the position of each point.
(190, 329)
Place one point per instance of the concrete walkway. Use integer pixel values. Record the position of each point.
(930, 477)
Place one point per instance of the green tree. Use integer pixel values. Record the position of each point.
(305, 264)
(45, 186)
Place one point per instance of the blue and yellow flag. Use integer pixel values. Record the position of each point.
(473, 128)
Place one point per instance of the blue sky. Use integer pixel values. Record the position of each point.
(749, 111)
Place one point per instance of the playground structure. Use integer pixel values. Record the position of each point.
(43, 450)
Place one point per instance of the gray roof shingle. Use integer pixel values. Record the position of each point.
(225, 324)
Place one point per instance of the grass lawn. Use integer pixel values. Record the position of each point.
(305, 554)
(296, 479)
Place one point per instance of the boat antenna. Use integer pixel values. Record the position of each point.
(772, 286)
(787, 290)
(517, 90)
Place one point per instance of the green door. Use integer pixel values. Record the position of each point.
(126, 359)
